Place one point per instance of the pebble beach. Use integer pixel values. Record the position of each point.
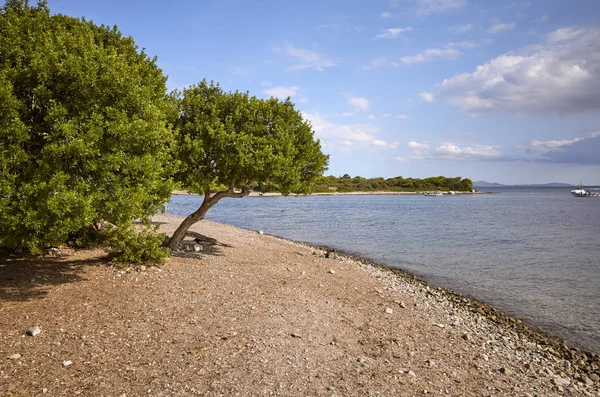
(252, 314)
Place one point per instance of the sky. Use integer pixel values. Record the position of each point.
(501, 91)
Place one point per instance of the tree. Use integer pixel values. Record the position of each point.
(84, 135)
(227, 141)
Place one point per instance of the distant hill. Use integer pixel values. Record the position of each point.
(493, 184)
(487, 184)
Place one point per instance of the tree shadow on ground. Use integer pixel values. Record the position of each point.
(26, 277)
(210, 246)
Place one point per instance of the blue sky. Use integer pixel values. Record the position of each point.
(491, 90)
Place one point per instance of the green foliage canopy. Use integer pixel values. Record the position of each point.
(83, 128)
(229, 141)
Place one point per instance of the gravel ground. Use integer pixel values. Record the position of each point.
(258, 315)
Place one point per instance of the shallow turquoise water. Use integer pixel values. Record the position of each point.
(533, 252)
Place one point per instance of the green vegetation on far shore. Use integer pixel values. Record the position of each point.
(347, 183)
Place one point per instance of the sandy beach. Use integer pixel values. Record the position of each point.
(258, 315)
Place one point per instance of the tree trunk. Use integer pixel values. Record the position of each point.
(193, 218)
(198, 215)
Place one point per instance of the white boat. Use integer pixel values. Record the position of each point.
(432, 194)
(582, 192)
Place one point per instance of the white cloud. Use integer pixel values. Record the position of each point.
(427, 97)
(281, 92)
(542, 19)
(359, 103)
(371, 117)
(453, 152)
(346, 135)
(582, 150)
(392, 33)
(418, 147)
(429, 54)
(547, 146)
(501, 27)
(385, 14)
(303, 58)
(402, 116)
(556, 77)
(450, 151)
(460, 28)
(563, 34)
(428, 7)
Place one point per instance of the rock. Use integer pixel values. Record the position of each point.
(260, 232)
(142, 268)
(594, 378)
(294, 335)
(53, 251)
(33, 331)
(44, 390)
(411, 373)
(331, 253)
(331, 271)
(558, 381)
(389, 310)
(466, 336)
(506, 371)
(15, 356)
(66, 363)
(402, 305)
(198, 247)
(587, 381)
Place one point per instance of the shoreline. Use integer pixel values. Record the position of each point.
(253, 313)
(563, 348)
(377, 193)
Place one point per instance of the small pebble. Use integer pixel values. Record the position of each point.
(331, 271)
(66, 363)
(15, 356)
(505, 371)
(389, 310)
(261, 232)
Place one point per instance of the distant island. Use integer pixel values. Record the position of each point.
(480, 184)
(347, 184)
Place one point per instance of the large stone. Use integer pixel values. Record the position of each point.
(595, 378)
(33, 331)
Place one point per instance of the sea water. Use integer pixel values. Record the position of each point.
(535, 253)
